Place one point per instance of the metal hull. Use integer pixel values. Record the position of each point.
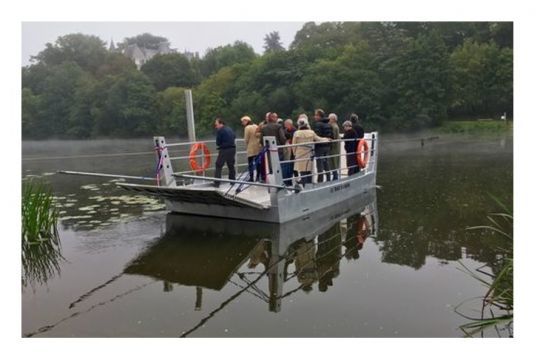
(290, 205)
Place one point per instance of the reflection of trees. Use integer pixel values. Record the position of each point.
(430, 198)
(403, 249)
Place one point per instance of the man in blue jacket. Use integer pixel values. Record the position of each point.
(225, 142)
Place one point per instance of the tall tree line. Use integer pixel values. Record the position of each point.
(397, 76)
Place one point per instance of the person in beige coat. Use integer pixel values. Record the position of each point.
(303, 154)
(335, 147)
(253, 147)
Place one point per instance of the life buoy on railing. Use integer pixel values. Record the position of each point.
(362, 153)
(193, 157)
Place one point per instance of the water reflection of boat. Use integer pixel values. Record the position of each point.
(207, 252)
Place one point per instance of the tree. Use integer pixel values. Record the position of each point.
(82, 111)
(31, 127)
(482, 79)
(272, 42)
(57, 98)
(344, 85)
(169, 70)
(33, 77)
(214, 96)
(222, 56)
(422, 82)
(129, 107)
(87, 51)
(325, 40)
(171, 107)
(145, 40)
(115, 64)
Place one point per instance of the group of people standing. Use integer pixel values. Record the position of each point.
(296, 160)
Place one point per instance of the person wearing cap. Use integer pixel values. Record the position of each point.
(303, 154)
(335, 147)
(350, 147)
(253, 147)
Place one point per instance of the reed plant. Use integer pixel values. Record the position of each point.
(41, 254)
(497, 304)
(39, 216)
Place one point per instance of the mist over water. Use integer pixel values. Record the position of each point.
(386, 269)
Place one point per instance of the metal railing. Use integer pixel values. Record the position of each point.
(184, 147)
(315, 143)
(241, 167)
(314, 159)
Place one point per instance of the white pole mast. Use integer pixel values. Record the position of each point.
(190, 117)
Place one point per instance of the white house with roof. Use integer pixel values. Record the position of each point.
(140, 55)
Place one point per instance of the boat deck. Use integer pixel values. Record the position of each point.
(206, 193)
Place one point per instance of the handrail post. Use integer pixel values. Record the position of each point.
(162, 157)
(374, 150)
(276, 176)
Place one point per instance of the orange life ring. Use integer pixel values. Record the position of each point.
(362, 153)
(193, 157)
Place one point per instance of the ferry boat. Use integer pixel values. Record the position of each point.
(271, 201)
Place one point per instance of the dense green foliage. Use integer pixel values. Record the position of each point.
(145, 40)
(169, 70)
(396, 76)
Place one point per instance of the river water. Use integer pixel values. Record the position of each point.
(391, 265)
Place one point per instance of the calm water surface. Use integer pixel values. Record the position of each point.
(383, 265)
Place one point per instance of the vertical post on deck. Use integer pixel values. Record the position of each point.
(276, 176)
(189, 116)
(165, 167)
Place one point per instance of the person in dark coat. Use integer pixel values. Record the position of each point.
(226, 145)
(350, 147)
(273, 129)
(323, 129)
(356, 126)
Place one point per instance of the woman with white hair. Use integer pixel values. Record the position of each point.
(303, 154)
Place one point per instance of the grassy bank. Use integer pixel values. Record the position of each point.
(474, 127)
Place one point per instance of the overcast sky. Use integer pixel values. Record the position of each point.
(192, 36)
